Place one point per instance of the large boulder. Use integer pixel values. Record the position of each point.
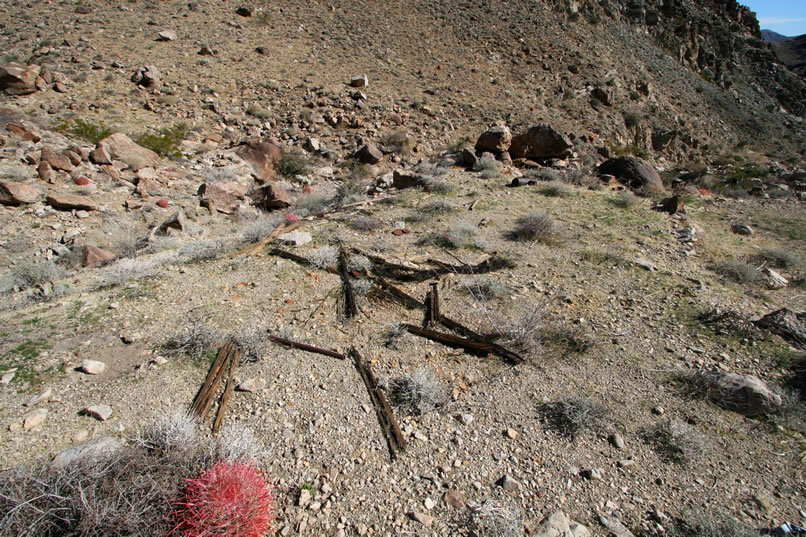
(18, 79)
(15, 193)
(744, 394)
(263, 155)
(634, 172)
(369, 154)
(271, 197)
(540, 142)
(495, 140)
(120, 147)
(788, 324)
(226, 196)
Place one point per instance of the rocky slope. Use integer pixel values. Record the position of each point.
(646, 395)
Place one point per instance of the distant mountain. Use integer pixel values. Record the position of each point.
(773, 37)
(792, 52)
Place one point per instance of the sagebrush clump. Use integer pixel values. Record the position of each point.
(574, 415)
(534, 226)
(416, 393)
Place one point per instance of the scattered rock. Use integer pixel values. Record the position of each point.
(263, 155)
(511, 433)
(245, 11)
(46, 172)
(647, 265)
(92, 256)
(304, 498)
(604, 96)
(407, 179)
(82, 180)
(163, 203)
(360, 81)
(540, 142)
(496, 140)
(175, 221)
(788, 324)
(57, 161)
(120, 147)
(296, 237)
(592, 474)
(455, 499)
(251, 385)
(23, 132)
(40, 397)
(18, 79)
(16, 193)
(634, 172)
(147, 76)
(69, 202)
(466, 419)
(469, 157)
(99, 412)
(92, 367)
(508, 483)
(616, 440)
(744, 394)
(773, 279)
(741, 229)
(100, 156)
(369, 154)
(94, 449)
(615, 526)
(271, 197)
(226, 196)
(422, 518)
(166, 35)
(34, 418)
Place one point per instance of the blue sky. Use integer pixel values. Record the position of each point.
(787, 17)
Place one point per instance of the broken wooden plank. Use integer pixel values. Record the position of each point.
(207, 385)
(254, 248)
(432, 305)
(386, 418)
(472, 345)
(222, 406)
(207, 402)
(404, 273)
(305, 347)
(490, 264)
(350, 307)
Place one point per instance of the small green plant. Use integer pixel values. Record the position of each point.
(293, 162)
(85, 130)
(168, 143)
(629, 150)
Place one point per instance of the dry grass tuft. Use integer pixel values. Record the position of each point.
(416, 393)
(534, 227)
(573, 416)
(678, 442)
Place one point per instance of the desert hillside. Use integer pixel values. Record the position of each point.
(468, 267)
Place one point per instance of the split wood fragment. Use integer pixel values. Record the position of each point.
(222, 406)
(305, 347)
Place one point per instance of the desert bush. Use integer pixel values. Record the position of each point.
(127, 269)
(461, 236)
(397, 141)
(193, 339)
(487, 164)
(359, 263)
(324, 257)
(365, 223)
(416, 393)
(237, 443)
(737, 271)
(174, 432)
(220, 175)
(204, 249)
(707, 523)
(258, 111)
(431, 210)
(556, 189)
(32, 273)
(573, 416)
(490, 174)
(573, 337)
(627, 200)
(534, 226)
(494, 518)
(522, 332)
(293, 162)
(361, 287)
(228, 500)
(260, 227)
(313, 203)
(484, 288)
(678, 442)
(792, 412)
(87, 130)
(251, 340)
(432, 184)
(460, 144)
(168, 143)
(349, 192)
(779, 258)
(392, 334)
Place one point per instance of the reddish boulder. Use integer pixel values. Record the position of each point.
(263, 155)
(18, 79)
(57, 161)
(92, 256)
(15, 193)
(68, 202)
(226, 196)
(540, 142)
(271, 197)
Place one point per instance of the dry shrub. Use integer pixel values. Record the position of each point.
(557, 189)
(678, 442)
(32, 273)
(779, 258)
(365, 223)
(349, 192)
(494, 518)
(252, 341)
(627, 200)
(572, 416)
(737, 271)
(416, 393)
(324, 257)
(193, 339)
(707, 523)
(534, 227)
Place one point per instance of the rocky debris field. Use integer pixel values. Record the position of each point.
(583, 322)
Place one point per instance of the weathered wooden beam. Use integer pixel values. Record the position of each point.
(222, 406)
(350, 306)
(207, 402)
(386, 418)
(432, 305)
(305, 347)
(472, 345)
(207, 386)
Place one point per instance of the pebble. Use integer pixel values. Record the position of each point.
(592, 474)
(422, 518)
(508, 483)
(429, 503)
(512, 434)
(100, 412)
(466, 419)
(92, 367)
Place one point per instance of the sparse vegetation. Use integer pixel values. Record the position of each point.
(494, 518)
(349, 192)
(461, 236)
(534, 227)
(572, 337)
(293, 162)
(556, 189)
(397, 141)
(678, 442)
(251, 340)
(313, 203)
(707, 523)
(627, 200)
(194, 339)
(365, 223)
(779, 258)
(168, 143)
(487, 165)
(431, 210)
(483, 289)
(737, 271)
(33, 273)
(573, 416)
(86, 130)
(324, 257)
(258, 111)
(416, 393)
